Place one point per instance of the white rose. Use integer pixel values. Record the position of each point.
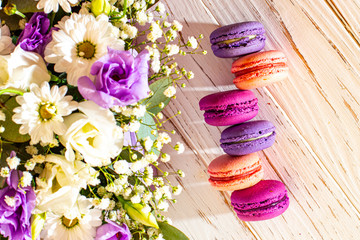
(23, 68)
(59, 184)
(93, 133)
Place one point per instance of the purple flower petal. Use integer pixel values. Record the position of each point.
(113, 231)
(15, 221)
(36, 34)
(120, 79)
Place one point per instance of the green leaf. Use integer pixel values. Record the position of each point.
(158, 87)
(11, 21)
(11, 132)
(25, 6)
(148, 125)
(171, 233)
(125, 154)
(3, 238)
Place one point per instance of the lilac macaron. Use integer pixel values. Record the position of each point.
(229, 107)
(265, 200)
(238, 39)
(248, 137)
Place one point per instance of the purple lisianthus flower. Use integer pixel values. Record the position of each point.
(120, 79)
(36, 34)
(113, 231)
(15, 214)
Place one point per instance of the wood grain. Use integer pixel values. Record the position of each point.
(316, 112)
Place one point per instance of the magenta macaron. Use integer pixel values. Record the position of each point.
(229, 107)
(265, 200)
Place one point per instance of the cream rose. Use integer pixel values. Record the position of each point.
(4, 72)
(93, 133)
(23, 68)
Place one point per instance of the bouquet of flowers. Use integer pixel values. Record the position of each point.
(82, 89)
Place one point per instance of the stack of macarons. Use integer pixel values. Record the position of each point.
(240, 169)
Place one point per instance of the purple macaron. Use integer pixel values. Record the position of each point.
(248, 137)
(228, 108)
(238, 39)
(265, 200)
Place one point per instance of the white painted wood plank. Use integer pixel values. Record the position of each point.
(315, 111)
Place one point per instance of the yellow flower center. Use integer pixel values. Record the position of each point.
(69, 223)
(86, 50)
(47, 111)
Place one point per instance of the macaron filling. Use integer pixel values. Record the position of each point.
(250, 37)
(240, 42)
(231, 109)
(250, 139)
(249, 209)
(238, 176)
(244, 71)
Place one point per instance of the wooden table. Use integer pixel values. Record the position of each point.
(316, 112)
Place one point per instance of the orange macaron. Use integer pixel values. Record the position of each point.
(229, 173)
(259, 69)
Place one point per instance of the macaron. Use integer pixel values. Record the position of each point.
(237, 39)
(259, 69)
(248, 137)
(229, 107)
(265, 200)
(229, 173)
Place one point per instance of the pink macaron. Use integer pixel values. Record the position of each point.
(229, 173)
(229, 108)
(265, 200)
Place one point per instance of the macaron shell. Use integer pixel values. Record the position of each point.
(236, 30)
(258, 59)
(229, 107)
(257, 202)
(267, 213)
(261, 78)
(220, 100)
(224, 172)
(227, 166)
(242, 183)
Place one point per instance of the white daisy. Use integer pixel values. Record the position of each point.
(80, 223)
(53, 5)
(80, 41)
(41, 112)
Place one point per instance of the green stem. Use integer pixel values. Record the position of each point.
(52, 18)
(123, 12)
(20, 14)
(11, 91)
(123, 202)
